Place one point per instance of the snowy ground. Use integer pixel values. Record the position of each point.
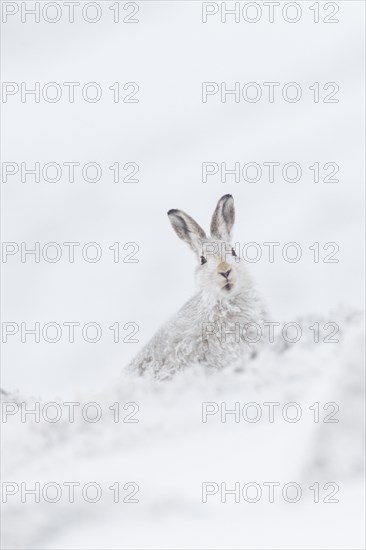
(170, 452)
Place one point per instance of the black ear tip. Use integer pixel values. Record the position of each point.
(226, 197)
(172, 211)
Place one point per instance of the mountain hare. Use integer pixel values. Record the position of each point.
(212, 328)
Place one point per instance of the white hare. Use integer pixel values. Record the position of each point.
(211, 328)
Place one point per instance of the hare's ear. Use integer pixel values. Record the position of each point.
(187, 229)
(223, 219)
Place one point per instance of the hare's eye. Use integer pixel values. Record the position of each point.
(203, 260)
(233, 252)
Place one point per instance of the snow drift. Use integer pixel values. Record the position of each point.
(175, 437)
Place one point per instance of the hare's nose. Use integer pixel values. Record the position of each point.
(226, 273)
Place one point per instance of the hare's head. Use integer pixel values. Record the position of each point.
(219, 270)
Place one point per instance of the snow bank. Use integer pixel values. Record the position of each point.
(164, 452)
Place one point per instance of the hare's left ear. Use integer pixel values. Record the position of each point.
(223, 219)
(187, 229)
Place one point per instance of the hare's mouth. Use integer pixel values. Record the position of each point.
(228, 286)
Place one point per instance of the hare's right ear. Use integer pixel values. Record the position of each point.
(223, 219)
(187, 229)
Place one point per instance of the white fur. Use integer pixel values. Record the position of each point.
(208, 329)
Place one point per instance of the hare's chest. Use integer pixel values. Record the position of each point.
(227, 337)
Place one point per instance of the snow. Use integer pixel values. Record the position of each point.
(170, 452)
